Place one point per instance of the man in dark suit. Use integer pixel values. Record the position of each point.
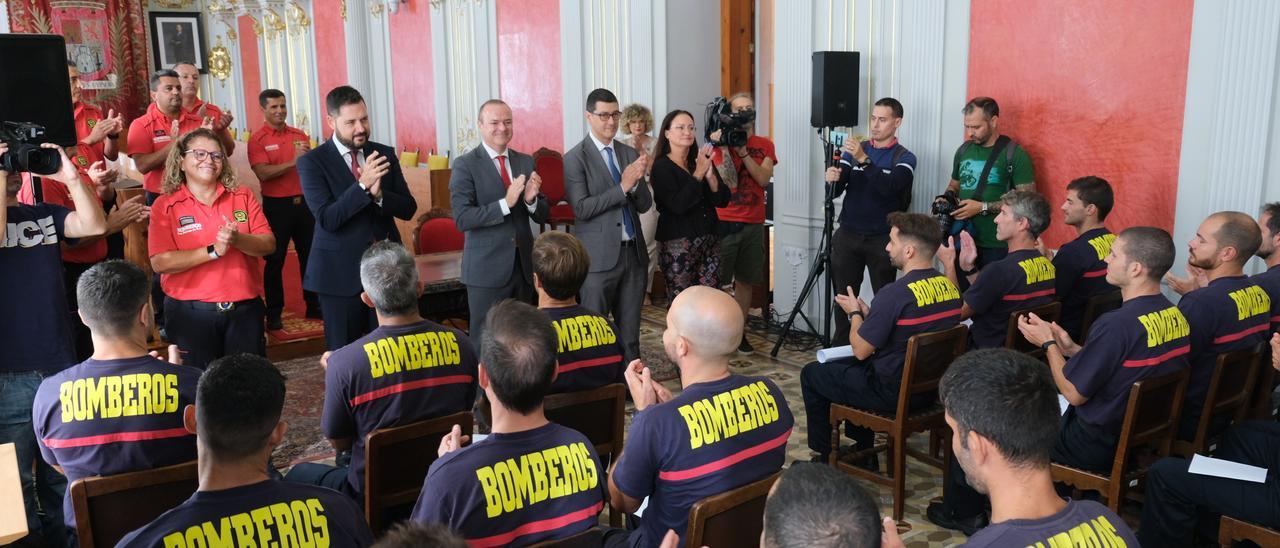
(354, 189)
(494, 192)
(601, 181)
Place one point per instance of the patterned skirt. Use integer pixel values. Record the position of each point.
(687, 262)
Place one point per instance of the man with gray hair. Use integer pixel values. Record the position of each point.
(816, 506)
(407, 370)
(1023, 279)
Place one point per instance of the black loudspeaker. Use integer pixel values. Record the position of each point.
(835, 89)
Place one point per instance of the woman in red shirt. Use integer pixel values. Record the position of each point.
(206, 241)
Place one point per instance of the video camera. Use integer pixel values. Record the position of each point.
(944, 207)
(35, 102)
(731, 125)
(25, 153)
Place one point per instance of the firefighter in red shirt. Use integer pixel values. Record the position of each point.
(189, 85)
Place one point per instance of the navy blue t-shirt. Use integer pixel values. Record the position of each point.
(1230, 313)
(395, 375)
(101, 418)
(1146, 337)
(587, 354)
(1023, 279)
(516, 489)
(875, 191)
(33, 302)
(713, 437)
(267, 513)
(919, 302)
(1269, 281)
(1081, 273)
(1080, 523)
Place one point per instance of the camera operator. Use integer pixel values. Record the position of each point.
(1005, 166)
(37, 339)
(746, 170)
(878, 174)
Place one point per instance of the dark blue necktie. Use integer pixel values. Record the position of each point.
(626, 207)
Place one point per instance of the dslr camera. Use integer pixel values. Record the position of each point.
(943, 210)
(25, 154)
(731, 125)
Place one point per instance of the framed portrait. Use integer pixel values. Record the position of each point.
(177, 37)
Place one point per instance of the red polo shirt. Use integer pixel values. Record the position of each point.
(151, 132)
(179, 221)
(211, 110)
(271, 146)
(85, 155)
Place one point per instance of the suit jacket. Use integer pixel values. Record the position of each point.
(597, 202)
(347, 219)
(492, 241)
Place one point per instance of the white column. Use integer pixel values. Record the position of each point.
(1230, 146)
(369, 65)
(465, 65)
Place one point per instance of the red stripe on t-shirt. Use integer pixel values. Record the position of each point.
(1275, 319)
(1095, 273)
(539, 526)
(1241, 334)
(103, 439)
(1184, 349)
(717, 465)
(929, 318)
(594, 362)
(407, 386)
(1025, 296)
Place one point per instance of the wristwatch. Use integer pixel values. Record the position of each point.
(984, 208)
(213, 253)
(1047, 344)
(855, 313)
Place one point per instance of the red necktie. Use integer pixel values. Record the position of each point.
(502, 170)
(355, 165)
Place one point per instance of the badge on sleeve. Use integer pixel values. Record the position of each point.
(241, 216)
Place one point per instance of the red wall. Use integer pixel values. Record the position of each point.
(250, 73)
(1092, 87)
(529, 71)
(331, 49)
(415, 94)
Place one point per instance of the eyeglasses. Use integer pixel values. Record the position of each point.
(202, 155)
(615, 115)
(690, 128)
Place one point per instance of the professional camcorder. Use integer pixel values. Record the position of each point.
(25, 153)
(731, 125)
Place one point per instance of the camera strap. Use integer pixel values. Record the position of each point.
(1001, 142)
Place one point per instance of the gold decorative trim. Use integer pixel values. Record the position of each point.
(256, 25)
(376, 7)
(220, 61)
(273, 23)
(232, 35)
(342, 9)
(172, 4)
(71, 4)
(299, 22)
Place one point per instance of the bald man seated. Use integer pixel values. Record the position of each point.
(723, 431)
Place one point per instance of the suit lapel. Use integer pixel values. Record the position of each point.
(333, 159)
(595, 160)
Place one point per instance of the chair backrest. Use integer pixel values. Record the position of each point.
(109, 507)
(732, 518)
(1151, 416)
(437, 233)
(597, 413)
(1098, 305)
(1229, 391)
(1260, 406)
(1013, 338)
(396, 461)
(928, 357)
(591, 538)
(550, 166)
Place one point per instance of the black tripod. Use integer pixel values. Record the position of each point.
(821, 261)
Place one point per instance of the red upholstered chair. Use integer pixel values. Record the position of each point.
(550, 166)
(436, 233)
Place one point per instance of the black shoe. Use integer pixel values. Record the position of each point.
(274, 323)
(941, 515)
(745, 347)
(313, 313)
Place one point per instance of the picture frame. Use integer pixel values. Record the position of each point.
(177, 36)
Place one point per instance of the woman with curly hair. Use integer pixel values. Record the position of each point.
(637, 122)
(206, 238)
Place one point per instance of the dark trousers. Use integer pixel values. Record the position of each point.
(986, 256)
(1177, 499)
(205, 333)
(850, 254)
(290, 220)
(481, 299)
(346, 318)
(847, 382)
(157, 294)
(619, 292)
(1082, 445)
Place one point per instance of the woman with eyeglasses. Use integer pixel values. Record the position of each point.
(206, 238)
(687, 192)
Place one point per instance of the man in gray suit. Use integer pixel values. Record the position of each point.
(494, 192)
(601, 181)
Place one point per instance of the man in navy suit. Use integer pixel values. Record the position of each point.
(354, 189)
(494, 192)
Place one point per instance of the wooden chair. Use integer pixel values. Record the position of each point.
(1230, 388)
(732, 518)
(599, 415)
(928, 356)
(591, 538)
(396, 462)
(1150, 420)
(1260, 406)
(1013, 339)
(109, 507)
(1097, 306)
(1232, 529)
(550, 166)
(436, 233)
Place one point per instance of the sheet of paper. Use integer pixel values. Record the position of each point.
(640, 511)
(1209, 466)
(827, 354)
(1063, 404)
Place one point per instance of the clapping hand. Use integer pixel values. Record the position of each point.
(175, 355)
(644, 390)
(1196, 279)
(131, 211)
(532, 187)
(515, 191)
(452, 441)
(849, 302)
(968, 251)
(634, 172)
(703, 163)
(101, 175)
(375, 166)
(226, 237)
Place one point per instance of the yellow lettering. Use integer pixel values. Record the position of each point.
(1102, 245)
(1038, 269)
